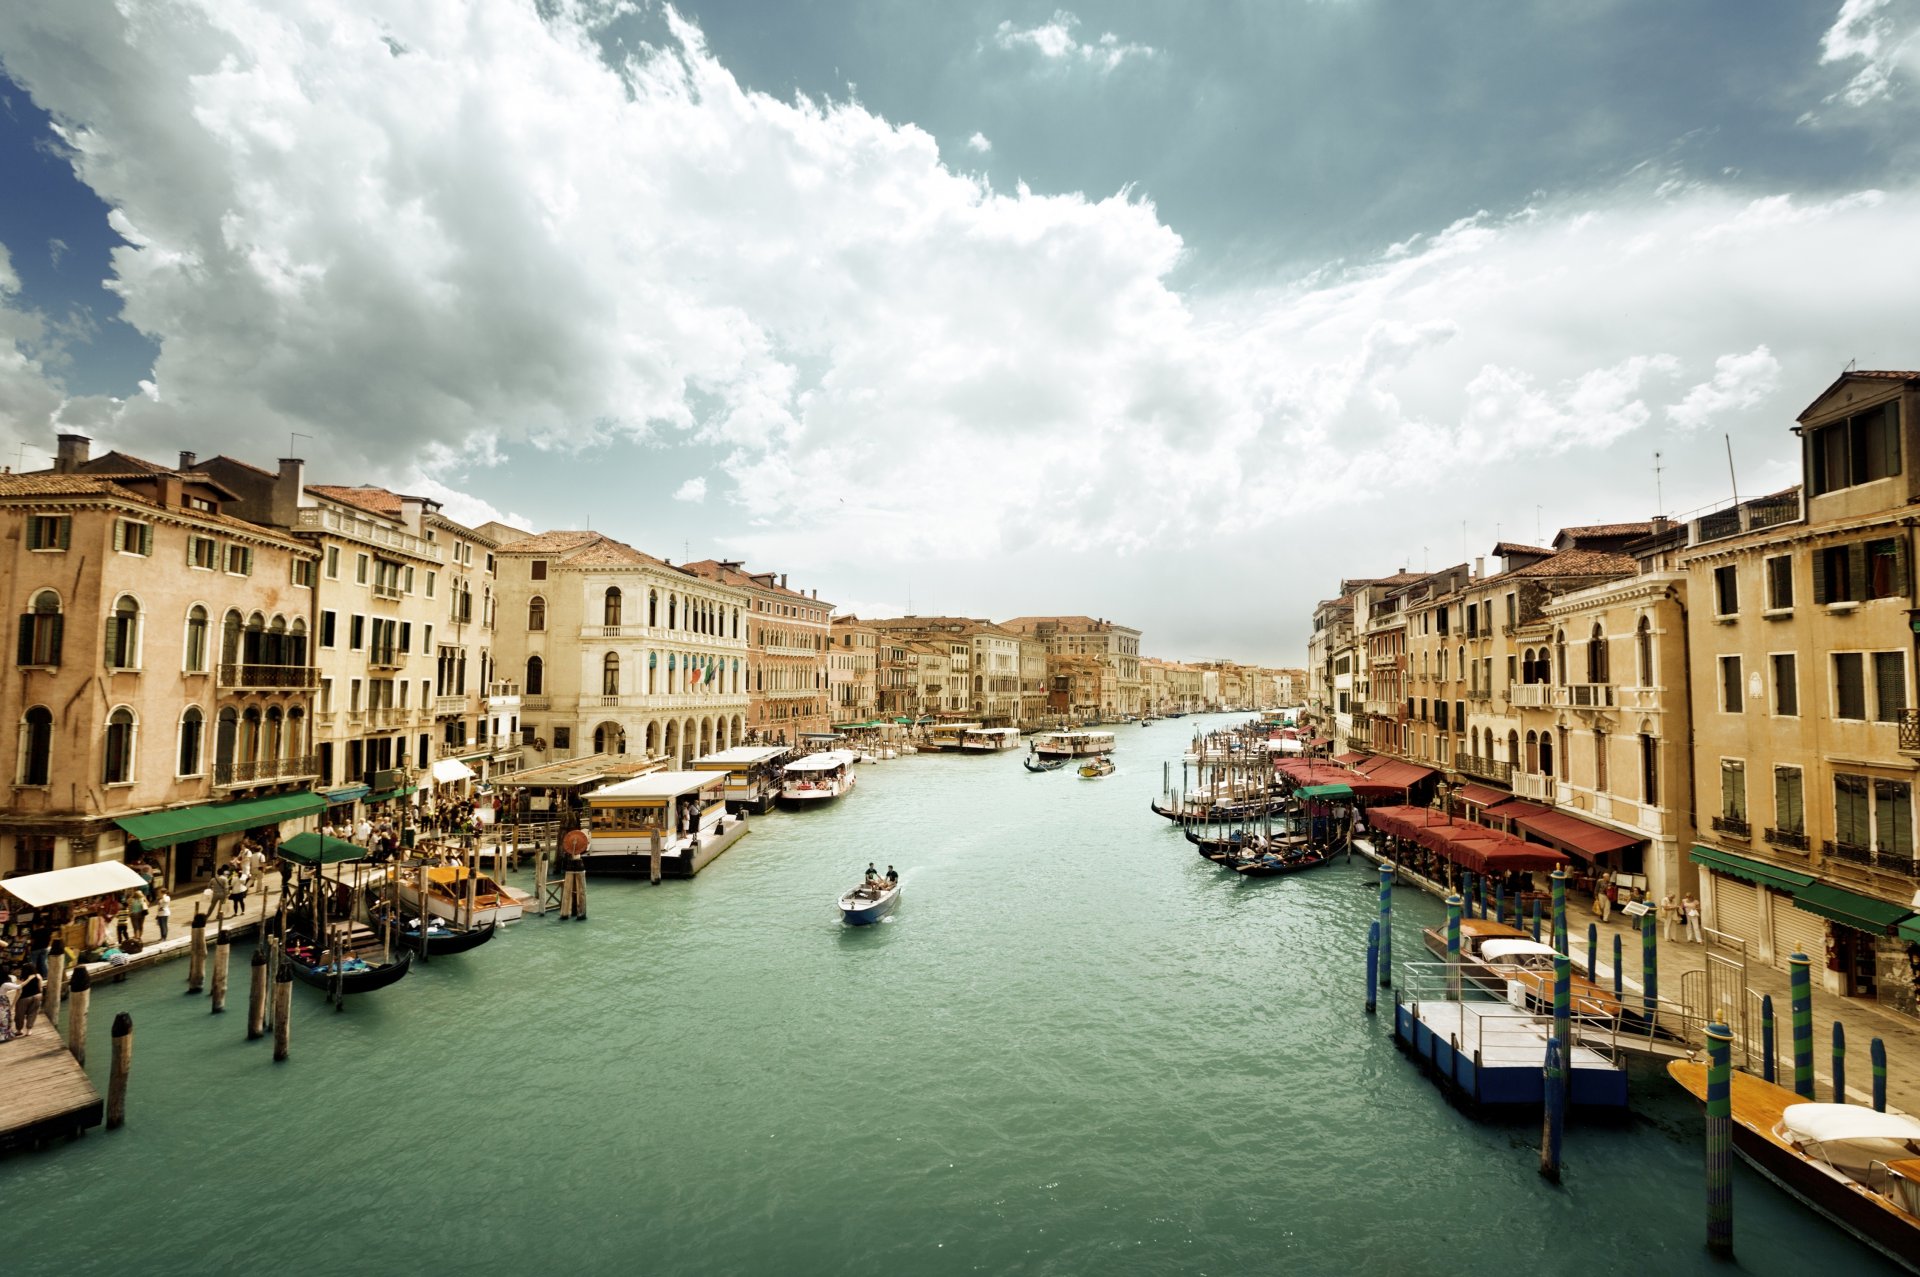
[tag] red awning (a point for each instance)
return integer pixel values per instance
(1576, 835)
(1482, 795)
(1402, 822)
(1390, 771)
(1349, 758)
(1312, 772)
(1443, 838)
(1517, 809)
(1502, 853)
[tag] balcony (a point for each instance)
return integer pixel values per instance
(1901, 864)
(1767, 512)
(1533, 785)
(1786, 838)
(268, 678)
(1485, 768)
(533, 702)
(386, 590)
(1732, 825)
(1584, 695)
(453, 705)
(388, 659)
(1530, 695)
(1910, 731)
(265, 771)
(366, 531)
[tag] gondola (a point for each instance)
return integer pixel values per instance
(312, 968)
(441, 940)
(1270, 865)
(1043, 764)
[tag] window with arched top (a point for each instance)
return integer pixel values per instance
(226, 734)
(1643, 652)
(249, 735)
(40, 631)
(230, 626)
(116, 766)
(1513, 748)
(297, 733)
(1560, 654)
(536, 613)
(612, 607)
(193, 726)
(123, 634)
(1533, 752)
(1599, 761)
(36, 746)
(673, 611)
(272, 740)
(610, 675)
(653, 608)
(296, 644)
(1597, 656)
(736, 622)
(536, 676)
(1546, 753)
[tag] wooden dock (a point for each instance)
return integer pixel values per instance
(44, 1092)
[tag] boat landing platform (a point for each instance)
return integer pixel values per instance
(45, 1094)
(1495, 1054)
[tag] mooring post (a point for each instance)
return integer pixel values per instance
(81, 995)
(1453, 946)
(1768, 1047)
(282, 1011)
(197, 953)
(222, 957)
(1553, 1113)
(1536, 920)
(257, 995)
(1500, 901)
(1593, 952)
(56, 973)
(1559, 880)
(1619, 969)
(1649, 969)
(1720, 1139)
(1563, 1014)
(1386, 924)
(117, 1074)
(1877, 1052)
(1839, 1063)
(1373, 964)
(1800, 981)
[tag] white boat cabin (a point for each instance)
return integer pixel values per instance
(819, 777)
(989, 740)
(1072, 744)
(949, 735)
(753, 772)
(623, 818)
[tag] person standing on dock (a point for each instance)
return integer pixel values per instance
(137, 914)
(1669, 913)
(573, 886)
(1690, 906)
(217, 893)
(163, 911)
(237, 897)
(32, 986)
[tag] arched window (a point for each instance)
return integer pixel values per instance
(1513, 748)
(117, 765)
(1526, 665)
(653, 608)
(1643, 652)
(297, 735)
(193, 726)
(736, 622)
(40, 631)
(271, 746)
(230, 626)
(36, 746)
(250, 736)
(673, 611)
(1560, 654)
(296, 644)
(536, 676)
(123, 635)
(612, 616)
(226, 732)
(1546, 753)
(1597, 656)
(1533, 752)
(610, 675)
(536, 613)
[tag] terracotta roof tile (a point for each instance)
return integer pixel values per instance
(1885, 374)
(550, 542)
(1608, 530)
(48, 484)
(1581, 563)
(1505, 548)
(365, 497)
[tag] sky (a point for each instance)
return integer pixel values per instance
(1174, 315)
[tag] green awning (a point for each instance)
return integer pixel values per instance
(1862, 913)
(1324, 791)
(385, 794)
(1909, 930)
(1748, 870)
(184, 824)
(318, 849)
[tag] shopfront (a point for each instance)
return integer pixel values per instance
(183, 844)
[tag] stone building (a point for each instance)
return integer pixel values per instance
(1116, 647)
(853, 667)
(984, 662)
(787, 636)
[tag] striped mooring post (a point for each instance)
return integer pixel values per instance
(1593, 951)
(1619, 969)
(1563, 1015)
(1553, 1113)
(1373, 964)
(1536, 920)
(1877, 1051)
(1839, 1063)
(1800, 979)
(1720, 1139)
(1649, 968)
(1559, 880)
(1768, 1047)
(1386, 925)
(1466, 892)
(1500, 902)
(1453, 946)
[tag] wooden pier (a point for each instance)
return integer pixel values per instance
(45, 1094)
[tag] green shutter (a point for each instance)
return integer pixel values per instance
(23, 652)
(1820, 577)
(1857, 571)
(57, 624)
(1900, 579)
(66, 531)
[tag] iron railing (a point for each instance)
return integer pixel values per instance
(1734, 825)
(239, 676)
(1797, 840)
(261, 770)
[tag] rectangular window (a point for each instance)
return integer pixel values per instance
(1733, 789)
(239, 560)
(1600, 762)
(1780, 583)
(327, 620)
(563, 738)
(1730, 698)
(49, 532)
(1893, 818)
(1849, 685)
(131, 537)
(202, 552)
(1889, 686)
(356, 633)
(326, 696)
(426, 638)
(1861, 449)
(1789, 801)
(360, 569)
(303, 573)
(1852, 818)
(1861, 571)
(539, 569)
(1649, 771)
(409, 585)
(353, 696)
(333, 563)
(406, 636)
(1786, 685)
(1726, 591)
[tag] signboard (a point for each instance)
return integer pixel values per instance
(1636, 909)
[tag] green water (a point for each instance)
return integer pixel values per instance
(1077, 1048)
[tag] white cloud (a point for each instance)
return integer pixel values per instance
(1054, 40)
(1739, 382)
(979, 143)
(1865, 31)
(694, 489)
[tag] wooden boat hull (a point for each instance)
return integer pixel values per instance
(1034, 766)
(1273, 866)
(354, 981)
(1756, 1107)
(444, 943)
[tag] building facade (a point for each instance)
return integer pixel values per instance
(788, 633)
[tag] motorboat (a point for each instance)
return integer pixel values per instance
(446, 900)
(1080, 744)
(989, 740)
(1858, 1167)
(1509, 963)
(869, 902)
(1097, 768)
(817, 779)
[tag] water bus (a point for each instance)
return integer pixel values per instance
(947, 736)
(664, 824)
(1077, 744)
(989, 740)
(753, 775)
(818, 779)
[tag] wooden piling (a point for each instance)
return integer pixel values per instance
(257, 995)
(1768, 1049)
(1536, 920)
(1800, 980)
(1649, 968)
(197, 954)
(1558, 878)
(56, 974)
(282, 1012)
(1619, 968)
(1553, 1113)
(1720, 1139)
(1386, 924)
(222, 960)
(1373, 964)
(1877, 1052)
(81, 994)
(117, 1075)
(1453, 946)
(1593, 952)
(654, 856)
(1839, 1063)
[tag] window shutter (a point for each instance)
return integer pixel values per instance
(1900, 578)
(24, 651)
(119, 534)
(146, 538)
(1820, 577)
(1857, 571)
(56, 622)
(66, 531)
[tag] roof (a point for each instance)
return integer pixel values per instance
(365, 497)
(1584, 839)
(566, 773)
(583, 548)
(79, 882)
(1857, 374)
(1606, 530)
(1481, 795)
(732, 573)
(825, 761)
(1391, 771)
(745, 754)
(1581, 563)
(1505, 548)
(659, 785)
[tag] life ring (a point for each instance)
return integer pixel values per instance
(575, 841)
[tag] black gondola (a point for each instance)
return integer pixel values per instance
(1044, 764)
(441, 941)
(1269, 865)
(312, 967)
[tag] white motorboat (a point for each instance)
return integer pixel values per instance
(447, 896)
(869, 902)
(818, 779)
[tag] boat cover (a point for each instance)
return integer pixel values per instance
(1826, 1123)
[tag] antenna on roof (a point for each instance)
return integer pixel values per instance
(1730, 475)
(1537, 533)
(1659, 499)
(291, 436)
(1851, 365)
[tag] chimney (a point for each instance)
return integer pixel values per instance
(783, 580)
(1479, 567)
(1661, 523)
(411, 510)
(187, 459)
(72, 453)
(289, 491)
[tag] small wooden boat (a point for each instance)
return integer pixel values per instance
(1270, 864)
(441, 939)
(1097, 768)
(1858, 1167)
(1043, 764)
(1509, 963)
(869, 902)
(362, 969)
(446, 900)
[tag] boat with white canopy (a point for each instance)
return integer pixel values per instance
(818, 779)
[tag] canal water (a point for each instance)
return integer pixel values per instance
(1077, 1048)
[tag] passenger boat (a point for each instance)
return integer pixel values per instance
(1270, 863)
(989, 740)
(1097, 768)
(1508, 962)
(1043, 764)
(1858, 1167)
(1078, 744)
(869, 902)
(817, 779)
(947, 736)
(753, 775)
(675, 822)
(447, 887)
